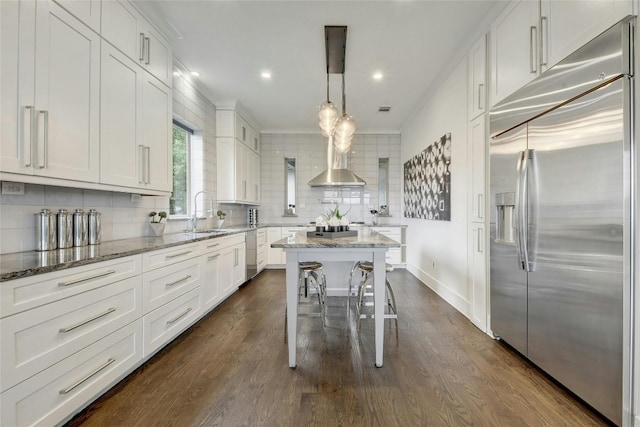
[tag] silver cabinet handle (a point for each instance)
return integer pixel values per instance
(147, 151)
(257, 192)
(27, 130)
(212, 257)
(179, 316)
(43, 140)
(187, 277)
(148, 41)
(85, 279)
(94, 372)
(533, 60)
(213, 246)
(544, 35)
(480, 87)
(84, 322)
(244, 134)
(177, 255)
(142, 47)
(480, 209)
(480, 249)
(141, 164)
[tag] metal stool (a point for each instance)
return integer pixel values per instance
(365, 289)
(310, 272)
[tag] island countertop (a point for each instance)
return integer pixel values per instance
(366, 238)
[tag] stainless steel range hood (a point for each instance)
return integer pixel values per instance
(336, 175)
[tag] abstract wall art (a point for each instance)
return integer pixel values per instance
(427, 182)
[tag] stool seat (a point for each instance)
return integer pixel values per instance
(367, 266)
(309, 266)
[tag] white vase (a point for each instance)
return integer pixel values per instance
(157, 228)
(220, 222)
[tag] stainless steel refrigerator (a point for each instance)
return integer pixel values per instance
(560, 173)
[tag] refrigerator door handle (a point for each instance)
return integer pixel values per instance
(523, 222)
(518, 209)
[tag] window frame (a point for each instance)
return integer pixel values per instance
(189, 157)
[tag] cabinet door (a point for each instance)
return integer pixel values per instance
(157, 55)
(240, 265)
(242, 129)
(17, 44)
(253, 173)
(211, 279)
(567, 25)
(241, 181)
(477, 149)
(477, 78)
(274, 255)
(226, 170)
(155, 128)
(120, 27)
(477, 262)
(121, 92)
(67, 81)
(88, 11)
(225, 277)
(514, 48)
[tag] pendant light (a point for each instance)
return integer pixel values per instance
(345, 126)
(328, 114)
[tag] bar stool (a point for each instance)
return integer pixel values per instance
(310, 277)
(365, 290)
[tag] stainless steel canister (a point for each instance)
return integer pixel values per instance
(65, 229)
(46, 230)
(80, 228)
(95, 227)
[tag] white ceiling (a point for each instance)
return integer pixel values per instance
(411, 42)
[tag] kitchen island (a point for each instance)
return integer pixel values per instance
(368, 245)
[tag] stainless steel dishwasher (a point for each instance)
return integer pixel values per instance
(252, 254)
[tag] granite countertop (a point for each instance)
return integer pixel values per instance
(366, 238)
(24, 264)
(31, 263)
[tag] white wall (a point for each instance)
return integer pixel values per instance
(442, 242)
(310, 152)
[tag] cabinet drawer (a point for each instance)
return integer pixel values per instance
(261, 236)
(164, 323)
(394, 256)
(56, 393)
(392, 233)
(225, 241)
(164, 284)
(30, 292)
(36, 339)
(168, 256)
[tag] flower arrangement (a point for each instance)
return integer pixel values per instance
(221, 215)
(334, 219)
(153, 214)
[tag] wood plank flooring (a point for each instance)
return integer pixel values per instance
(439, 370)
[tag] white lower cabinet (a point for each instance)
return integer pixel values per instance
(274, 255)
(164, 284)
(56, 393)
(261, 250)
(35, 339)
(394, 256)
(166, 322)
(212, 267)
(477, 265)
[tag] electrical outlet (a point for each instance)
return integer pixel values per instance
(12, 188)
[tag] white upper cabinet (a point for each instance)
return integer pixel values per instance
(125, 28)
(88, 11)
(530, 37)
(477, 78)
(514, 48)
(477, 149)
(50, 110)
(567, 25)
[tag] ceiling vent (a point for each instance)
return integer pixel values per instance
(384, 109)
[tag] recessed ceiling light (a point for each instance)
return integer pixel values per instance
(377, 75)
(266, 75)
(195, 74)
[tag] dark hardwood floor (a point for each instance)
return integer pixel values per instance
(439, 370)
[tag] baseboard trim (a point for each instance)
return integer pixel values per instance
(443, 291)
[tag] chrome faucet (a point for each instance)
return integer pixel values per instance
(195, 207)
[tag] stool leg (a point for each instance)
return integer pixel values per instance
(353, 269)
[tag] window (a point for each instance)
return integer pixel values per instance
(179, 201)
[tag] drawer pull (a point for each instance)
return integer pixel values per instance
(213, 246)
(84, 322)
(70, 388)
(187, 277)
(179, 316)
(84, 279)
(212, 257)
(177, 255)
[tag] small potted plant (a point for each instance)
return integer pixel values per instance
(157, 227)
(220, 214)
